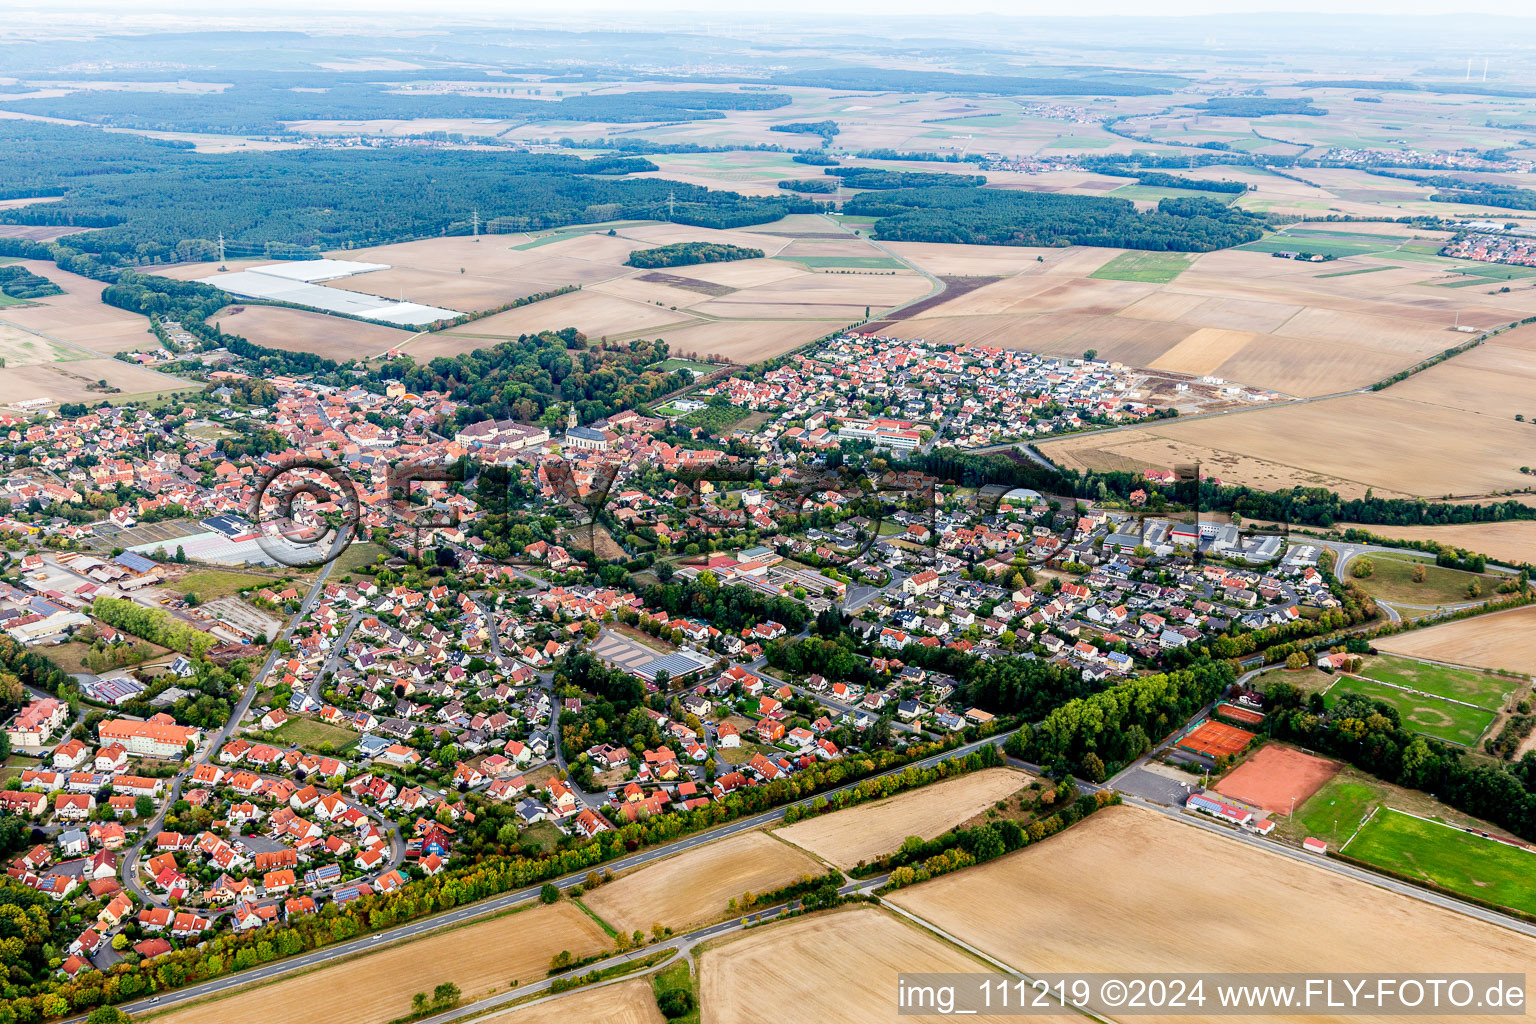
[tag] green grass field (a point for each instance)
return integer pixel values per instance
(1360, 245)
(312, 735)
(211, 584)
(1149, 267)
(1392, 581)
(1456, 683)
(357, 556)
(668, 365)
(1334, 812)
(1450, 858)
(1454, 723)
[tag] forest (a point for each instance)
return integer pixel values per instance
(996, 217)
(815, 159)
(880, 178)
(21, 283)
(1256, 106)
(155, 204)
(261, 108)
(819, 186)
(686, 254)
(1161, 179)
(826, 129)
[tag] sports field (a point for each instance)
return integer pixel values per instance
(1486, 691)
(1449, 857)
(1216, 739)
(1441, 719)
(1277, 778)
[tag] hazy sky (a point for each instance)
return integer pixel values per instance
(636, 9)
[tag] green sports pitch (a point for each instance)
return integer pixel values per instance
(1480, 688)
(1432, 716)
(1449, 857)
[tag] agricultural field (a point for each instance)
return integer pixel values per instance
(299, 330)
(1391, 580)
(1449, 857)
(627, 1002)
(1449, 430)
(1513, 541)
(1485, 691)
(78, 318)
(843, 964)
(376, 988)
(1032, 910)
(23, 348)
(1306, 335)
(693, 888)
(862, 833)
(1441, 719)
(1151, 267)
(91, 380)
(1503, 641)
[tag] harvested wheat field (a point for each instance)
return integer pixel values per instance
(1203, 351)
(373, 988)
(1397, 445)
(298, 330)
(743, 341)
(590, 312)
(79, 316)
(1511, 541)
(1502, 641)
(627, 1002)
(839, 966)
(79, 380)
(870, 830)
(694, 887)
(955, 260)
(1130, 890)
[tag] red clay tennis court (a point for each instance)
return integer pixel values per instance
(1239, 714)
(1275, 776)
(1214, 739)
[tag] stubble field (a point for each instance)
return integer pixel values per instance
(840, 966)
(1128, 890)
(694, 887)
(868, 831)
(628, 1002)
(1503, 640)
(377, 987)
(298, 330)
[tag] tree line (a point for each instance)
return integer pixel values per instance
(684, 254)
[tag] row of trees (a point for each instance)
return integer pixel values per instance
(153, 624)
(684, 254)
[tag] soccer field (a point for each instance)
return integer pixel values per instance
(1455, 723)
(1486, 691)
(1449, 857)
